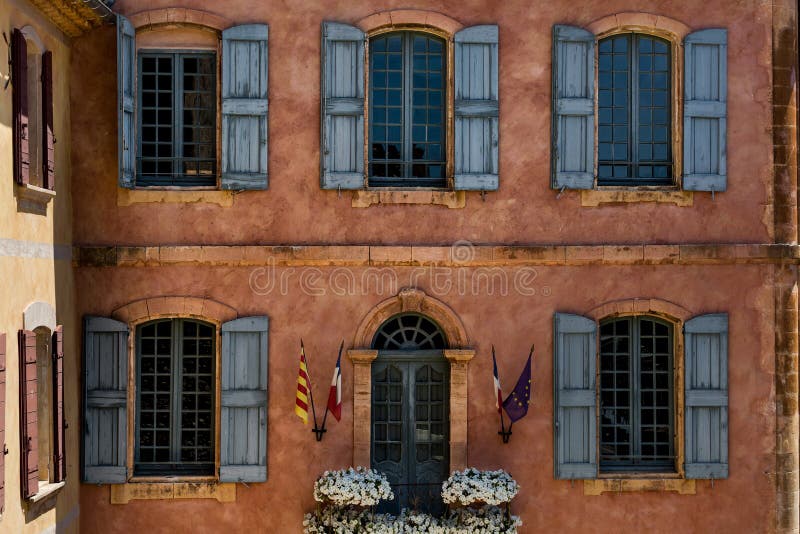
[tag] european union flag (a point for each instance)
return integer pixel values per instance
(516, 404)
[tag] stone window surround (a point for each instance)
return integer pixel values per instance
(674, 31)
(362, 356)
(640, 482)
(167, 487)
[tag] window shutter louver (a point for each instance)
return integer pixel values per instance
(19, 78)
(705, 110)
(575, 340)
(105, 369)
(573, 108)
(342, 101)
(126, 102)
(477, 108)
(3, 444)
(706, 396)
(28, 420)
(48, 134)
(245, 108)
(243, 433)
(59, 423)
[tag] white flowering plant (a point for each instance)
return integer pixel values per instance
(357, 486)
(341, 520)
(474, 486)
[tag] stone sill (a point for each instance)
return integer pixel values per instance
(46, 491)
(370, 197)
(595, 197)
(650, 483)
(34, 199)
(127, 197)
(124, 493)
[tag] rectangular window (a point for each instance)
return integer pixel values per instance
(177, 119)
(636, 395)
(175, 398)
(633, 114)
(407, 110)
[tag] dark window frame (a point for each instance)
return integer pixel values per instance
(407, 120)
(176, 178)
(175, 466)
(633, 160)
(636, 462)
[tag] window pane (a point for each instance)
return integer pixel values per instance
(178, 107)
(615, 401)
(634, 116)
(407, 108)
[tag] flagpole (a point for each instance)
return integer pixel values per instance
(316, 429)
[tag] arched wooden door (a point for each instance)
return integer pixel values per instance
(410, 415)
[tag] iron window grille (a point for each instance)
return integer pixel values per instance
(636, 395)
(175, 398)
(634, 111)
(177, 119)
(407, 110)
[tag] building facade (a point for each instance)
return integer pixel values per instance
(425, 184)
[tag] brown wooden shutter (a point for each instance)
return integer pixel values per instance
(3, 448)
(29, 423)
(19, 78)
(59, 423)
(49, 141)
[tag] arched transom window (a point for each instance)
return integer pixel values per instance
(409, 331)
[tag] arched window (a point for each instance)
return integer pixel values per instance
(409, 331)
(410, 410)
(637, 394)
(175, 397)
(407, 110)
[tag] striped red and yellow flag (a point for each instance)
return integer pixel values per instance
(301, 401)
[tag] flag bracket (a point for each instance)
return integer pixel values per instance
(319, 432)
(505, 434)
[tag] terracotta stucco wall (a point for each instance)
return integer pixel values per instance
(524, 210)
(511, 322)
(35, 266)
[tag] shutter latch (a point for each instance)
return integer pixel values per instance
(5, 450)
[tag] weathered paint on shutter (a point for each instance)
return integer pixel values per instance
(245, 108)
(342, 115)
(59, 423)
(28, 420)
(126, 101)
(477, 109)
(706, 396)
(48, 134)
(573, 108)
(105, 369)
(3, 445)
(575, 341)
(243, 434)
(705, 110)
(20, 130)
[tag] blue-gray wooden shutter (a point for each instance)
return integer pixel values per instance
(477, 109)
(573, 108)
(342, 101)
(105, 371)
(126, 102)
(575, 432)
(245, 107)
(705, 110)
(243, 436)
(706, 396)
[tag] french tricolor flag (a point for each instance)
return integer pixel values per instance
(335, 395)
(498, 392)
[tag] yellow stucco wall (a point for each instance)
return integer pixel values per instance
(35, 266)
